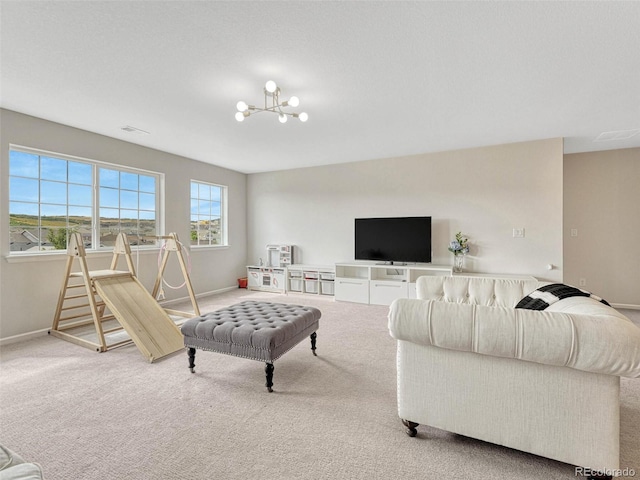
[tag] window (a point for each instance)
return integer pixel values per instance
(208, 214)
(53, 195)
(127, 204)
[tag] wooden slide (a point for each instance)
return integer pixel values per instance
(146, 322)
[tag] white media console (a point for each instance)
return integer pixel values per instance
(356, 282)
(381, 284)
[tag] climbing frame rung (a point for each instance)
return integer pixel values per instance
(73, 317)
(78, 340)
(73, 297)
(116, 329)
(74, 307)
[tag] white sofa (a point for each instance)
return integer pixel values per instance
(541, 381)
(13, 467)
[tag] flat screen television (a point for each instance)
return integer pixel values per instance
(393, 239)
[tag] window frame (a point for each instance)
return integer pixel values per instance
(224, 214)
(95, 165)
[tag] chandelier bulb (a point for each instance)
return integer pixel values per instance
(303, 117)
(270, 86)
(293, 102)
(283, 118)
(240, 116)
(241, 106)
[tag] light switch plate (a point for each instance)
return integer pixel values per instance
(518, 233)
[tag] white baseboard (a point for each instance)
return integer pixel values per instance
(199, 295)
(28, 336)
(23, 337)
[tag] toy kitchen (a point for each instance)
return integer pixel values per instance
(271, 275)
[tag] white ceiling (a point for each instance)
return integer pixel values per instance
(378, 79)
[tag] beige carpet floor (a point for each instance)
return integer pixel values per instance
(85, 415)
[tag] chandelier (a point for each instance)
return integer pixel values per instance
(271, 91)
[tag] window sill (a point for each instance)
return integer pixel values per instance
(62, 254)
(200, 248)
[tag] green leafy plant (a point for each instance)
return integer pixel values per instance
(58, 237)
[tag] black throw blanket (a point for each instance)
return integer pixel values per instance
(549, 294)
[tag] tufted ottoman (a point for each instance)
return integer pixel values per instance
(260, 331)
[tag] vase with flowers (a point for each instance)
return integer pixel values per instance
(459, 247)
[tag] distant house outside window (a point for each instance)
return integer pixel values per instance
(52, 195)
(208, 214)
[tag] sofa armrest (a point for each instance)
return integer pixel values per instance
(22, 471)
(13, 467)
(606, 344)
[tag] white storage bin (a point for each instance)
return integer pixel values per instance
(295, 273)
(327, 276)
(311, 275)
(311, 286)
(295, 285)
(327, 287)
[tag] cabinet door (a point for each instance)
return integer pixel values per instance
(384, 292)
(278, 279)
(254, 278)
(352, 290)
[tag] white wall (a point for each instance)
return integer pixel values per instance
(29, 290)
(483, 192)
(602, 202)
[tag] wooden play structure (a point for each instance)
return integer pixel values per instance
(118, 306)
(172, 244)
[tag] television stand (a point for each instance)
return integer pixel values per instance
(381, 284)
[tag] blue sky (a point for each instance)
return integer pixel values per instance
(205, 201)
(56, 183)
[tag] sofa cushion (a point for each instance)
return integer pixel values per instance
(491, 292)
(549, 294)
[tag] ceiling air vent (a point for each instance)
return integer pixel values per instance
(618, 135)
(137, 131)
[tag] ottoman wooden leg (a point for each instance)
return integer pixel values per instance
(269, 371)
(313, 343)
(192, 359)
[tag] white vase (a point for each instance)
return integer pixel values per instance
(458, 263)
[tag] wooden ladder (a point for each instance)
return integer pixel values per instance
(80, 305)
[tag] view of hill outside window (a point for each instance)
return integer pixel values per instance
(207, 218)
(127, 204)
(50, 197)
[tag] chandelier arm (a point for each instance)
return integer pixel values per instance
(270, 109)
(275, 109)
